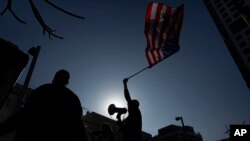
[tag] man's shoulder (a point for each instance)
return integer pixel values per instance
(45, 85)
(55, 88)
(69, 91)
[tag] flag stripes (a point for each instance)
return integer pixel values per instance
(162, 25)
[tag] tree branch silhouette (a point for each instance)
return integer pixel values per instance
(64, 11)
(39, 18)
(9, 7)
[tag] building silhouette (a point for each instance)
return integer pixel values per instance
(10, 105)
(232, 19)
(12, 62)
(177, 133)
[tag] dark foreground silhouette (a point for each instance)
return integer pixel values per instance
(132, 125)
(105, 133)
(52, 112)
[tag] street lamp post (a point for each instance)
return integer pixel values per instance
(180, 118)
(34, 51)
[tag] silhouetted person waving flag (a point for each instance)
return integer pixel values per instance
(132, 125)
(52, 112)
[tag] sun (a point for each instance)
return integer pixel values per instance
(117, 101)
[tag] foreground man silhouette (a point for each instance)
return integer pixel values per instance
(52, 112)
(132, 125)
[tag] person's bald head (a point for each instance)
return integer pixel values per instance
(61, 77)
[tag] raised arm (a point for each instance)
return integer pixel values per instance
(126, 92)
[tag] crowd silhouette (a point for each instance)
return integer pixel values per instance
(54, 112)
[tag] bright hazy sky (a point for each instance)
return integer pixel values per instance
(201, 82)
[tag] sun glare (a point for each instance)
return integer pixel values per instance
(113, 98)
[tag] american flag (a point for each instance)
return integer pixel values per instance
(162, 30)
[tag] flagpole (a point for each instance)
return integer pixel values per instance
(139, 71)
(148, 67)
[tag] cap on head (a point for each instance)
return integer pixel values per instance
(61, 77)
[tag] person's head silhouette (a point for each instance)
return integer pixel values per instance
(133, 105)
(61, 77)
